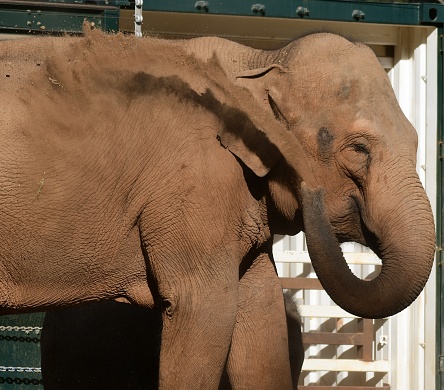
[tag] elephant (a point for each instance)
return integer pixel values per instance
(161, 179)
(295, 344)
(114, 345)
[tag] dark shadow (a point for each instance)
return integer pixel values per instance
(106, 345)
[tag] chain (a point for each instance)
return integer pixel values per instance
(33, 370)
(21, 381)
(26, 329)
(20, 369)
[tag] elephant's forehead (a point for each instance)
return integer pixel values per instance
(330, 47)
(334, 63)
(341, 85)
(347, 93)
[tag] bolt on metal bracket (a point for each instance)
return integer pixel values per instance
(302, 12)
(358, 15)
(202, 5)
(258, 9)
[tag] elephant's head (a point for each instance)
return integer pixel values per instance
(341, 162)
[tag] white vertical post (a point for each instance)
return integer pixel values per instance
(138, 18)
(430, 315)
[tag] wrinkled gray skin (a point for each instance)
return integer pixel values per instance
(161, 179)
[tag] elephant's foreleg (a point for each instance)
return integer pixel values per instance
(199, 312)
(258, 357)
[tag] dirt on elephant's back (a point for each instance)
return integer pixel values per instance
(46, 73)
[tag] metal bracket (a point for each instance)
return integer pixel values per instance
(431, 14)
(358, 15)
(258, 9)
(202, 6)
(441, 363)
(302, 12)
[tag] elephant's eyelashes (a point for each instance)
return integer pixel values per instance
(361, 149)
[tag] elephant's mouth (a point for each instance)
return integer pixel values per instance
(355, 229)
(359, 231)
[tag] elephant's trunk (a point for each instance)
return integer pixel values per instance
(406, 260)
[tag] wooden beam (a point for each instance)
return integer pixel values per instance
(333, 338)
(345, 365)
(301, 283)
(365, 352)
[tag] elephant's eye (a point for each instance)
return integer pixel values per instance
(356, 159)
(358, 148)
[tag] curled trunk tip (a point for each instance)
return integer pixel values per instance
(395, 288)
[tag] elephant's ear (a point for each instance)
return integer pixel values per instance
(258, 72)
(251, 145)
(275, 87)
(249, 135)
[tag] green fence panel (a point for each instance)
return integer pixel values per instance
(343, 11)
(53, 17)
(20, 351)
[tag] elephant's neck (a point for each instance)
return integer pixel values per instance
(256, 230)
